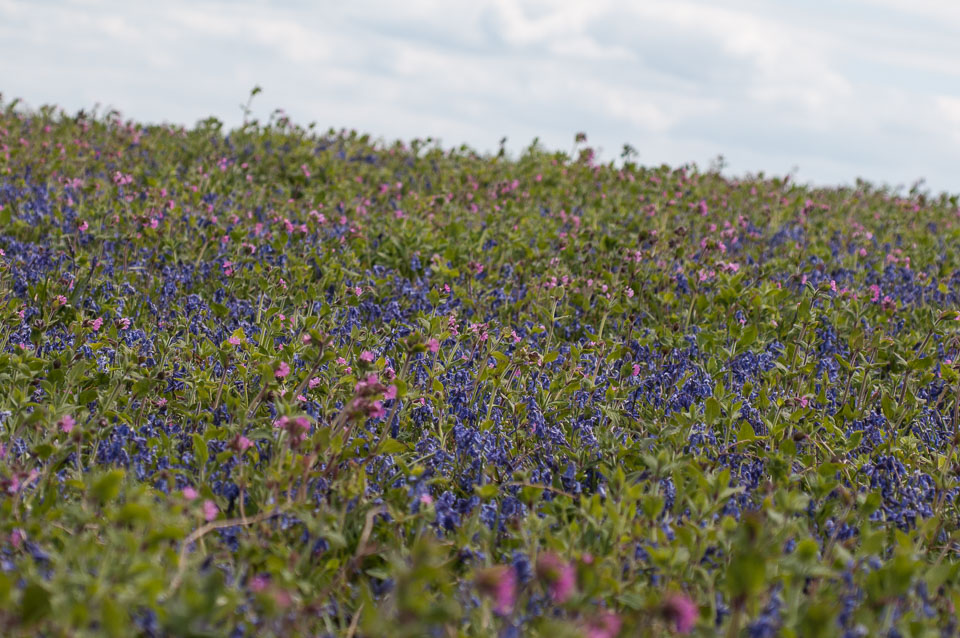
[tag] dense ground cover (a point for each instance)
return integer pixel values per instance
(274, 381)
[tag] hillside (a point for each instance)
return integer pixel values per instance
(278, 381)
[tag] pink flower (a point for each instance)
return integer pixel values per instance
(96, 324)
(314, 382)
(636, 370)
(233, 341)
(606, 625)
(559, 576)
(124, 323)
(189, 493)
(17, 536)
(83, 226)
(66, 423)
(681, 611)
(500, 583)
(391, 393)
(210, 510)
(365, 386)
(242, 443)
(426, 499)
(297, 428)
(282, 370)
(258, 583)
(433, 346)
(366, 356)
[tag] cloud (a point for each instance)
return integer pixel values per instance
(949, 107)
(291, 39)
(839, 90)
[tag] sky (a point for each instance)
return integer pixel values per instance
(825, 90)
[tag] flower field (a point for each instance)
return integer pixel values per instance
(277, 381)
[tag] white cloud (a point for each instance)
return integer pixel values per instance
(294, 41)
(949, 107)
(117, 27)
(840, 90)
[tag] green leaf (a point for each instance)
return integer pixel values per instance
(853, 439)
(107, 487)
(747, 337)
(711, 410)
(392, 446)
(87, 396)
(949, 374)
(886, 405)
(200, 450)
(115, 618)
(43, 451)
(34, 604)
(135, 512)
(937, 575)
(652, 506)
(487, 491)
(807, 550)
(6, 585)
(746, 574)
(633, 600)
(531, 494)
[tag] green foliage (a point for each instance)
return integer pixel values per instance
(279, 382)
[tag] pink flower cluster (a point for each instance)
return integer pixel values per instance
(297, 428)
(500, 584)
(681, 612)
(366, 401)
(559, 576)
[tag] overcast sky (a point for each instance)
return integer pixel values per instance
(829, 90)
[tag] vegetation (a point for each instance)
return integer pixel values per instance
(273, 381)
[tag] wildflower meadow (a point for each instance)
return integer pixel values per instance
(282, 381)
